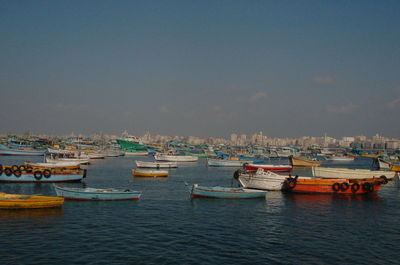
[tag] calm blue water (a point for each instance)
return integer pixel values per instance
(167, 227)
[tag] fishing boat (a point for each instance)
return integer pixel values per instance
(347, 173)
(304, 162)
(64, 159)
(226, 162)
(19, 174)
(337, 158)
(267, 167)
(395, 167)
(260, 180)
(175, 158)
(149, 173)
(93, 194)
(20, 201)
(7, 151)
(225, 193)
(143, 164)
(334, 186)
(381, 164)
(61, 164)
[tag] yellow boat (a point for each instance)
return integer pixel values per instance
(395, 167)
(304, 162)
(149, 173)
(20, 201)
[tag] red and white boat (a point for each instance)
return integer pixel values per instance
(267, 167)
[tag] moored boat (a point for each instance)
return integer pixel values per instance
(225, 193)
(175, 158)
(334, 186)
(64, 159)
(337, 158)
(149, 173)
(304, 162)
(93, 194)
(20, 201)
(144, 164)
(136, 153)
(260, 180)
(267, 167)
(7, 151)
(226, 162)
(25, 174)
(347, 173)
(395, 167)
(61, 164)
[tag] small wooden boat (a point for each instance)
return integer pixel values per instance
(260, 180)
(19, 201)
(70, 165)
(334, 186)
(144, 164)
(337, 158)
(92, 194)
(225, 193)
(303, 162)
(267, 167)
(149, 173)
(175, 158)
(347, 173)
(7, 151)
(30, 174)
(395, 167)
(63, 159)
(226, 162)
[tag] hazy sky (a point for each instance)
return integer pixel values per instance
(202, 68)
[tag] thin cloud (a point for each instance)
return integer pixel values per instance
(342, 109)
(216, 108)
(323, 80)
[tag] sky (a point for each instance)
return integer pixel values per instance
(200, 68)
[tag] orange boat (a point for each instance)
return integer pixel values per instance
(334, 186)
(395, 167)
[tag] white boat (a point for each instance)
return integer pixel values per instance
(261, 180)
(340, 158)
(334, 172)
(226, 162)
(144, 164)
(62, 164)
(92, 194)
(80, 161)
(175, 158)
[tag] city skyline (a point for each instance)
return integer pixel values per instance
(205, 68)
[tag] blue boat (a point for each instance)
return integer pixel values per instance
(7, 151)
(225, 193)
(92, 194)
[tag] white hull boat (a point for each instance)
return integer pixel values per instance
(346, 173)
(143, 164)
(80, 161)
(261, 180)
(92, 194)
(175, 158)
(60, 164)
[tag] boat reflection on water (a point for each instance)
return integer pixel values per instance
(12, 214)
(323, 200)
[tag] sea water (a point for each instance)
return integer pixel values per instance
(166, 226)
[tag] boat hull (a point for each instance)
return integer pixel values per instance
(332, 186)
(90, 194)
(301, 162)
(346, 173)
(225, 193)
(150, 173)
(17, 201)
(173, 158)
(266, 167)
(41, 176)
(226, 163)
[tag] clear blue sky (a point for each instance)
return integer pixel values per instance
(203, 68)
